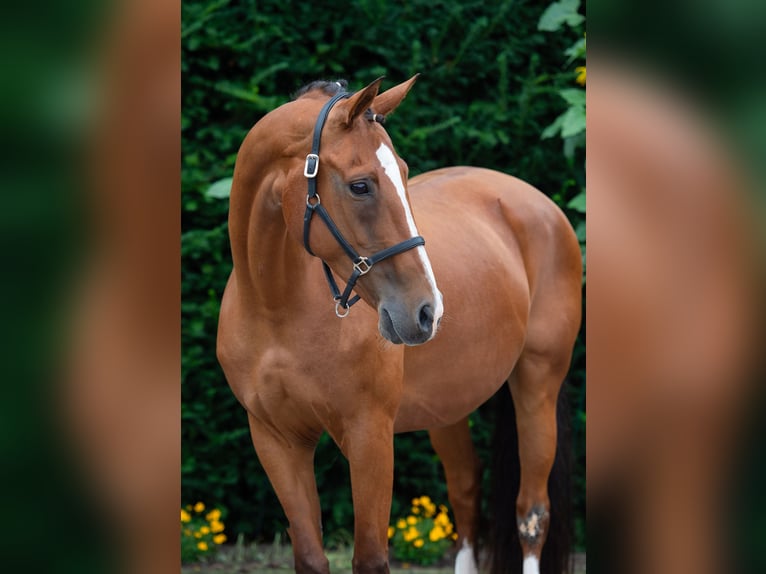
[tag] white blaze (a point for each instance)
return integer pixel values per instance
(465, 563)
(531, 566)
(391, 168)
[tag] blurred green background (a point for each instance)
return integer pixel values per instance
(498, 89)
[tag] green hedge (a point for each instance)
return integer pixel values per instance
(491, 83)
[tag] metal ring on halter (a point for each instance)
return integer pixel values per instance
(338, 306)
(309, 198)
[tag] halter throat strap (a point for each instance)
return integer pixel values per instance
(362, 265)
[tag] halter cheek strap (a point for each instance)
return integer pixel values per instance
(362, 265)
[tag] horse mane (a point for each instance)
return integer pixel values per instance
(330, 88)
(326, 87)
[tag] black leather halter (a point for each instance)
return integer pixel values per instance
(362, 265)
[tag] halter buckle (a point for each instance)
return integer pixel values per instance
(338, 307)
(362, 265)
(312, 166)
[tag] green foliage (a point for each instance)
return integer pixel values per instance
(490, 85)
(570, 125)
(572, 121)
(221, 189)
(578, 204)
(560, 13)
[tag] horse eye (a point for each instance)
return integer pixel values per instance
(359, 188)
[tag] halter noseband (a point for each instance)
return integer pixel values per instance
(362, 265)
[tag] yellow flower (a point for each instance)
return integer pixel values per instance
(204, 530)
(401, 524)
(581, 73)
(415, 510)
(185, 516)
(216, 526)
(213, 515)
(197, 535)
(202, 546)
(425, 501)
(454, 536)
(437, 533)
(412, 520)
(199, 507)
(391, 531)
(418, 543)
(219, 538)
(411, 534)
(441, 519)
(415, 501)
(430, 509)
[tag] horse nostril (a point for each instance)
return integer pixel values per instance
(426, 318)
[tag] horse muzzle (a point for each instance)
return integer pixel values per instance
(403, 325)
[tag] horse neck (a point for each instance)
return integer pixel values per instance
(269, 263)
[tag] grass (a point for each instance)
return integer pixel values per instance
(276, 558)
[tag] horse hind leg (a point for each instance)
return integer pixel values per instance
(535, 385)
(290, 468)
(455, 448)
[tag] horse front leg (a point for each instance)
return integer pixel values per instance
(368, 444)
(289, 465)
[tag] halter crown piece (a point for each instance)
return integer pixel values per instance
(362, 265)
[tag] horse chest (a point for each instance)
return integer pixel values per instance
(324, 364)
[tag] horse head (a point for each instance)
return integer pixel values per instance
(367, 230)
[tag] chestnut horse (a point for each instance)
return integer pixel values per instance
(492, 298)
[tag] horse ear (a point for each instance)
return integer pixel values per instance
(387, 102)
(359, 102)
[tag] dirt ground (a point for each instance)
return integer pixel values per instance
(272, 559)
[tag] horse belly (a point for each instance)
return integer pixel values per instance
(439, 391)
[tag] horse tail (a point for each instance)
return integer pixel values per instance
(504, 552)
